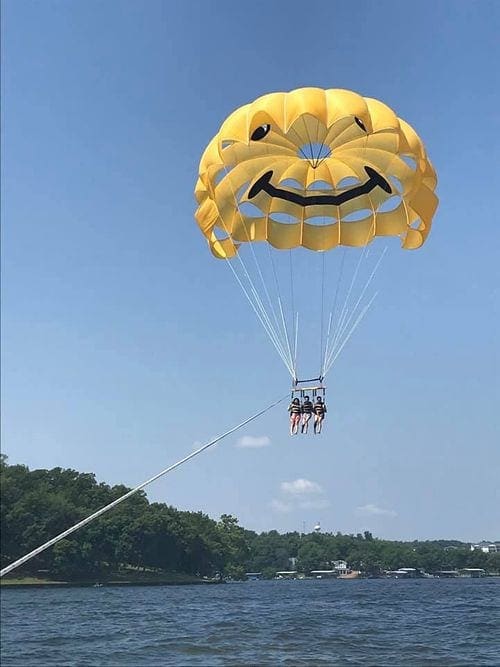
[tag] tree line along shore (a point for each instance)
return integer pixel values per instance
(144, 542)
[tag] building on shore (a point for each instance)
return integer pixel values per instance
(341, 567)
(486, 547)
(402, 573)
(472, 572)
(324, 574)
(408, 573)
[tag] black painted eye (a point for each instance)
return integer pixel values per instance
(360, 123)
(260, 132)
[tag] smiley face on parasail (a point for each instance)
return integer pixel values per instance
(314, 168)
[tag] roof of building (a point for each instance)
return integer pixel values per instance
(472, 569)
(323, 571)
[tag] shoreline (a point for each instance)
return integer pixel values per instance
(20, 583)
(29, 582)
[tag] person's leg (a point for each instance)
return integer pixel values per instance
(320, 423)
(305, 423)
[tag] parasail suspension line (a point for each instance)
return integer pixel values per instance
(354, 309)
(296, 343)
(322, 312)
(333, 310)
(345, 309)
(282, 346)
(283, 319)
(352, 330)
(270, 333)
(257, 304)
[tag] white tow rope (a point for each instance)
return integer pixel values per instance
(119, 500)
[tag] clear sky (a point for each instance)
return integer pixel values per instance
(124, 342)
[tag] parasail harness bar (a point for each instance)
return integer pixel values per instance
(314, 389)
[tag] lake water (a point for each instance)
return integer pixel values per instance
(368, 622)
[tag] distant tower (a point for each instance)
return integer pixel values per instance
(317, 527)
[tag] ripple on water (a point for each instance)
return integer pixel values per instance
(382, 622)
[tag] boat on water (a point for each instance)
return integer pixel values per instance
(353, 574)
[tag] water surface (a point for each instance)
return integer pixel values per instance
(361, 622)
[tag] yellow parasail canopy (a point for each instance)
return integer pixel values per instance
(314, 168)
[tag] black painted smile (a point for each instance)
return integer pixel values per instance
(374, 179)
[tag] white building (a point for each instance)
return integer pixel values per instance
(287, 574)
(486, 547)
(324, 574)
(472, 572)
(340, 566)
(402, 573)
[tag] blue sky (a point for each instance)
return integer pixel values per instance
(124, 342)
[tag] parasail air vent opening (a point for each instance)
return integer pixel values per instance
(314, 152)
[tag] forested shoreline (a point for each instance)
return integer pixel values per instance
(142, 536)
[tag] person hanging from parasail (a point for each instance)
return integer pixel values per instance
(307, 411)
(319, 414)
(295, 411)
